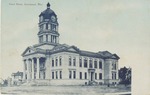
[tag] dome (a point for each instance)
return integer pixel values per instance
(47, 13)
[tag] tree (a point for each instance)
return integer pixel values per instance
(125, 75)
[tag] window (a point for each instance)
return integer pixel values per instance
(80, 62)
(41, 38)
(113, 66)
(60, 61)
(46, 38)
(85, 63)
(70, 74)
(100, 64)
(95, 64)
(74, 74)
(74, 61)
(100, 75)
(26, 76)
(80, 75)
(46, 25)
(90, 63)
(52, 62)
(53, 27)
(60, 74)
(52, 75)
(85, 75)
(56, 61)
(56, 75)
(113, 75)
(69, 61)
(95, 75)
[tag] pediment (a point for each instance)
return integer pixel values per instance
(29, 50)
(71, 49)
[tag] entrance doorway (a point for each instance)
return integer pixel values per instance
(92, 73)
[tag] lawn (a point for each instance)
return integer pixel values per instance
(65, 90)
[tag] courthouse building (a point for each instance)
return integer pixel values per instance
(52, 63)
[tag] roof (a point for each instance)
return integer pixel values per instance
(17, 74)
(47, 13)
(66, 48)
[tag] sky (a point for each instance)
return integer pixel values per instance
(118, 26)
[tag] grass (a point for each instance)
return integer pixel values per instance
(64, 90)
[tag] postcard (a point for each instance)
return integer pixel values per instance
(82, 47)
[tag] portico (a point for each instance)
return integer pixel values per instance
(34, 68)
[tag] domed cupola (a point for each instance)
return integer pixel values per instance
(46, 14)
(48, 27)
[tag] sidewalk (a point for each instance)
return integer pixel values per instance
(119, 93)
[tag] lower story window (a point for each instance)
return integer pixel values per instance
(52, 75)
(85, 75)
(74, 74)
(95, 75)
(60, 74)
(80, 75)
(70, 74)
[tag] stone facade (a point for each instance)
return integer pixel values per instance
(52, 63)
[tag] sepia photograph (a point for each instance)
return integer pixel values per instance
(75, 47)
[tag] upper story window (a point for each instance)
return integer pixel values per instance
(52, 62)
(100, 64)
(95, 64)
(114, 66)
(85, 62)
(90, 63)
(60, 61)
(80, 62)
(69, 60)
(56, 61)
(74, 61)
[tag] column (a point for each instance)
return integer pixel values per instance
(38, 68)
(32, 68)
(24, 70)
(28, 69)
(51, 38)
